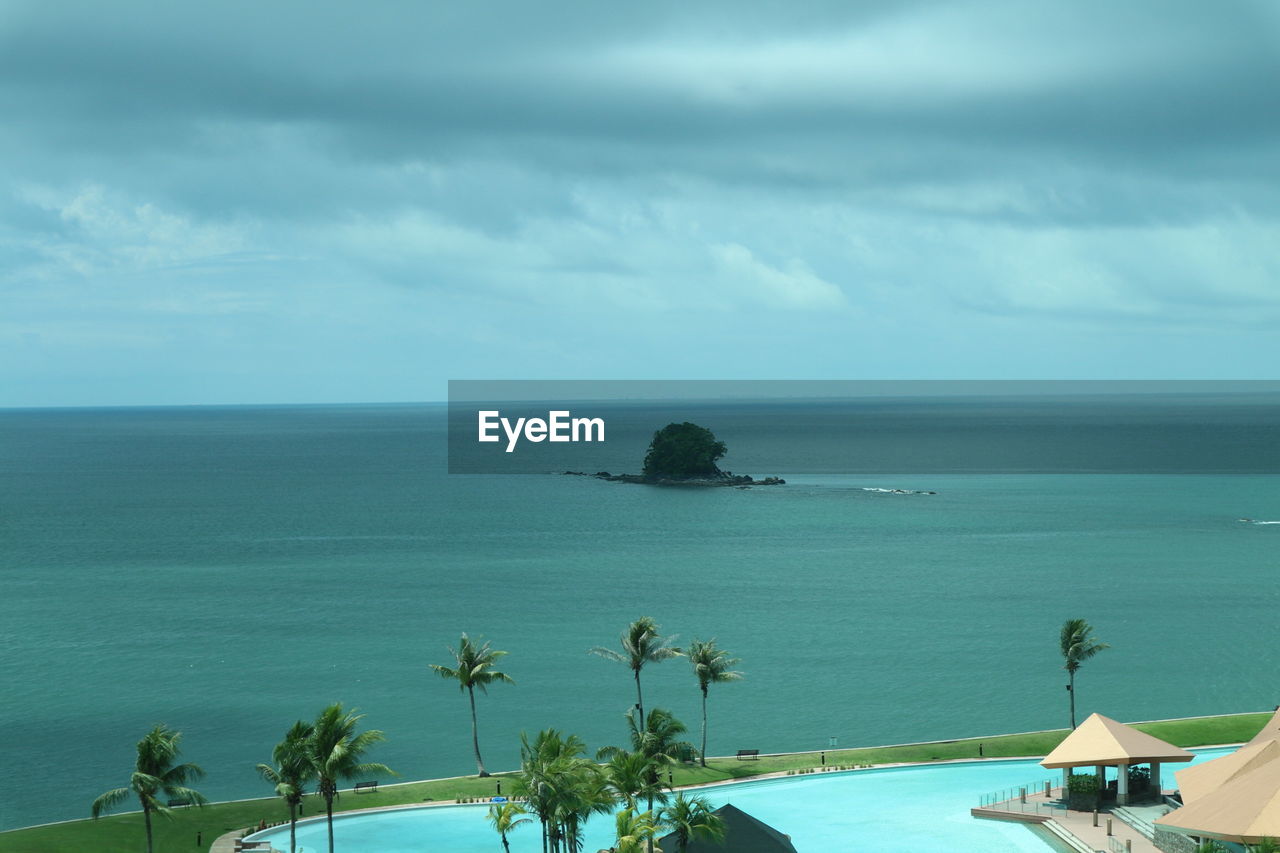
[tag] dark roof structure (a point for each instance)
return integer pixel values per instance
(743, 834)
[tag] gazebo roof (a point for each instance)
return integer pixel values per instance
(743, 834)
(1203, 779)
(1271, 731)
(1245, 808)
(1101, 740)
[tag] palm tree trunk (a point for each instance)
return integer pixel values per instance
(639, 700)
(505, 845)
(1071, 688)
(328, 810)
(649, 841)
(293, 828)
(146, 815)
(704, 725)
(475, 735)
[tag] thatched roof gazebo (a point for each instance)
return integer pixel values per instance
(1103, 742)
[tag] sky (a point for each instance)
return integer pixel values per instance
(292, 202)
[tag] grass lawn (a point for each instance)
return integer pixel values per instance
(124, 833)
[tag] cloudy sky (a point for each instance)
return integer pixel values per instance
(306, 202)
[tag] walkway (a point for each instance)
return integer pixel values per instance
(1049, 812)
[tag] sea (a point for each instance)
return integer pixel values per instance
(229, 570)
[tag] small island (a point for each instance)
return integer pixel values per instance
(685, 454)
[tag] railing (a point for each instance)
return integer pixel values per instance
(1033, 797)
(1115, 845)
(1136, 821)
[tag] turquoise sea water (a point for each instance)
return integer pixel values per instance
(900, 810)
(227, 571)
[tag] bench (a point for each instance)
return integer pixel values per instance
(744, 754)
(366, 786)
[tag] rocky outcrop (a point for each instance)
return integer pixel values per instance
(742, 481)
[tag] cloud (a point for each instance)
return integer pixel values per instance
(449, 183)
(793, 287)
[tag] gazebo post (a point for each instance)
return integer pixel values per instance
(1155, 779)
(1122, 785)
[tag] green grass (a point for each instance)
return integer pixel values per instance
(124, 833)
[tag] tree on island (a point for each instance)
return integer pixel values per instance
(154, 774)
(1077, 644)
(475, 669)
(683, 450)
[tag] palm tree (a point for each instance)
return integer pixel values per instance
(632, 775)
(290, 771)
(154, 773)
(690, 818)
(634, 830)
(505, 817)
(1078, 645)
(712, 666)
(659, 743)
(641, 644)
(562, 788)
(335, 752)
(474, 669)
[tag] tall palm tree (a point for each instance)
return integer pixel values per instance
(712, 665)
(154, 773)
(335, 752)
(635, 830)
(641, 644)
(290, 771)
(690, 818)
(1077, 644)
(505, 817)
(474, 669)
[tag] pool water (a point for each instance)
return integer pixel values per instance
(908, 809)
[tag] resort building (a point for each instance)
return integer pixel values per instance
(1234, 800)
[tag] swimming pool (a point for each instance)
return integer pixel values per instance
(907, 809)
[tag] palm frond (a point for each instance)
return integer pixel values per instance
(1077, 643)
(108, 801)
